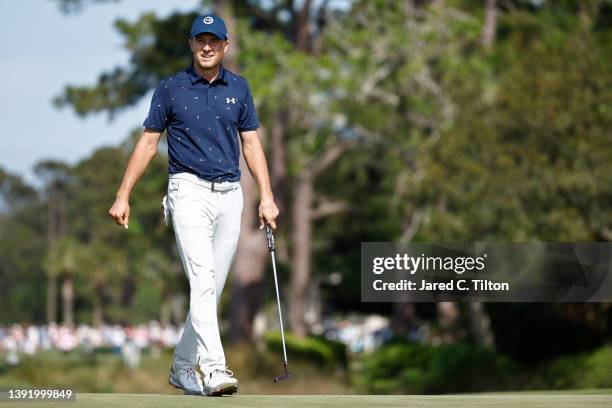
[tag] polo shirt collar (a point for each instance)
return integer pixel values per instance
(195, 77)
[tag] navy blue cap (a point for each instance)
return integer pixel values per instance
(209, 24)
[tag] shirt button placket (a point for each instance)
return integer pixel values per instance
(211, 97)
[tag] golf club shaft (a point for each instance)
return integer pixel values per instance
(280, 314)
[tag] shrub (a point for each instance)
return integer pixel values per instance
(316, 349)
(412, 368)
(584, 370)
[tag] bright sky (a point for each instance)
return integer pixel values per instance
(42, 51)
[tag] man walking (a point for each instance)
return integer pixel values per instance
(203, 109)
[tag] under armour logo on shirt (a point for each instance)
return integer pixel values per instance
(232, 100)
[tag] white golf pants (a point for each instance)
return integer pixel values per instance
(206, 220)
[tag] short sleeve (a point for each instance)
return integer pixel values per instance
(248, 116)
(159, 112)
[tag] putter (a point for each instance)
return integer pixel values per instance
(271, 248)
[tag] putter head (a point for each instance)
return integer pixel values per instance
(283, 377)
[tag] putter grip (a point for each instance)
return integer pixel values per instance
(270, 237)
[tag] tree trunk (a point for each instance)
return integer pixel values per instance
(314, 306)
(278, 158)
(68, 300)
(302, 250)
(448, 321)
(224, 9)
(402, 317)
(404, 311)
(98, 307)
(250, 262)
(248, 270)
(52, 237)
(480, 325)
(278, 174)
(249, 265)
(51, 298)
(178, 303)
(98, 313)
(301, 239)
(252, 255)
(490, 27)
(165, 312)
(302, 27)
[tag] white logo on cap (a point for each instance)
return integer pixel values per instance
(208, 20)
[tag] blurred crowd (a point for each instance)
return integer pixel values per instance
(30, 339)
(360, 333)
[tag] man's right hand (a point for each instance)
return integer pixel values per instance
(120, 211)
(141, 156)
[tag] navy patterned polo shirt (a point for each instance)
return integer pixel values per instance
(202, 120)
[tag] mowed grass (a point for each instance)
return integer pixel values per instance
(587, 399)
(106, 374)
(104, 381)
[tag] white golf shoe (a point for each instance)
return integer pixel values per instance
(220, 382)
(186, 379)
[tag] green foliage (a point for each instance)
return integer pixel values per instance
(14, 193)
(411, 368)
(158, 48)
(75, 6)
(580, 371)
(524, 157)
(464, 144)
(552, 322)
(318, 350)
(146, 303)
(22, 250)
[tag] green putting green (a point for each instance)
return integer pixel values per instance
(593, 398)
